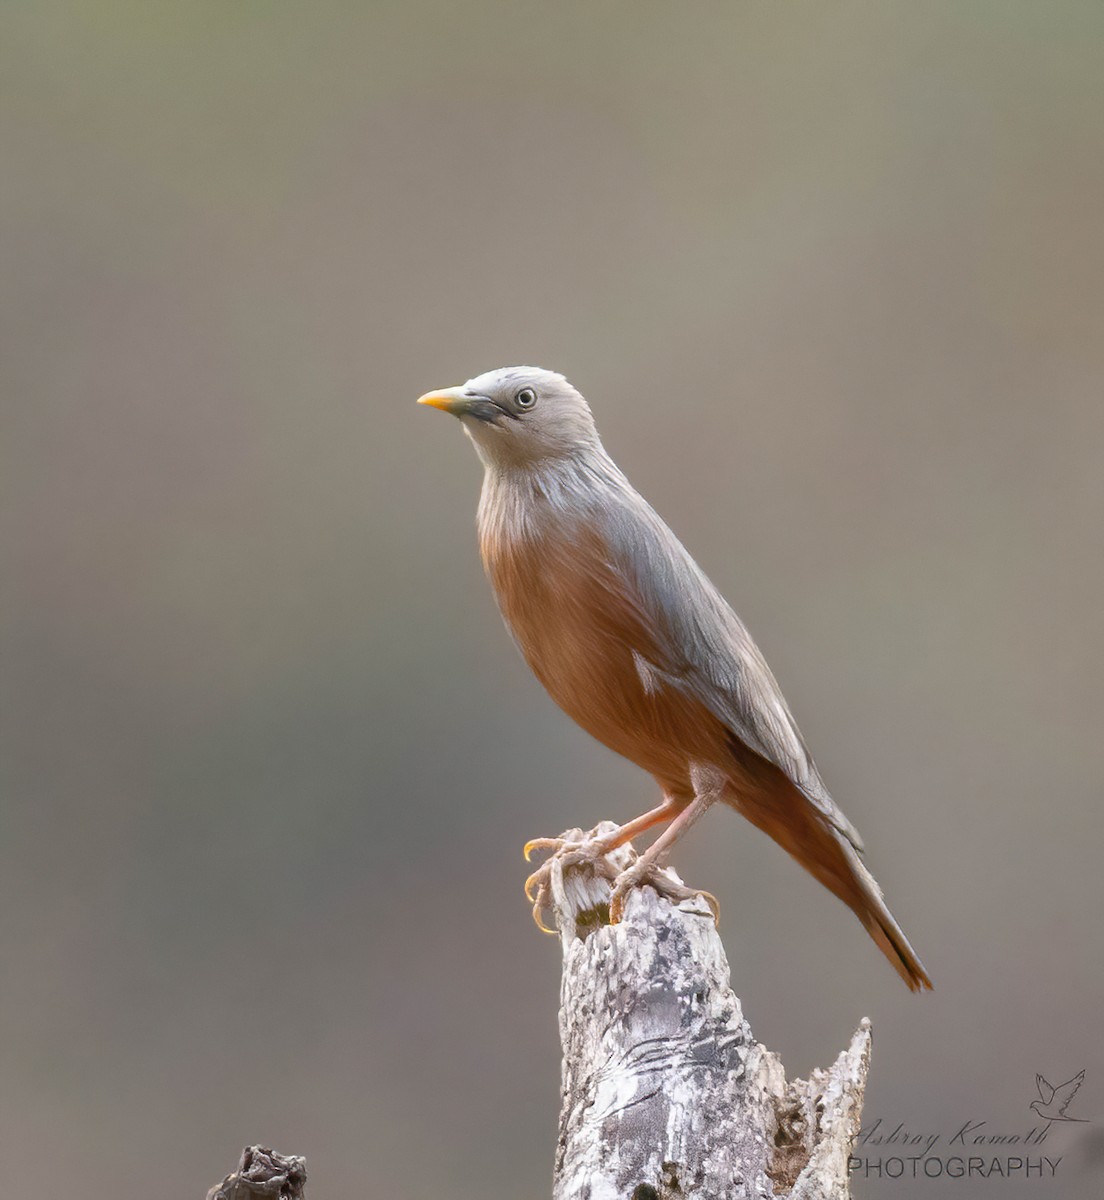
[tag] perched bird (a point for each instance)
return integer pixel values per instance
(635, 644)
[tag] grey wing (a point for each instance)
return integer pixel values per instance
(703, 648)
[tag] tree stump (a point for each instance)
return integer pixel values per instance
(263, 1174)
(665, 1092)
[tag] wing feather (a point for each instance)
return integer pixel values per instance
(697, 644)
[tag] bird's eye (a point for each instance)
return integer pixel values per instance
(526, 398)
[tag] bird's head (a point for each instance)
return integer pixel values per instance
(519, 416)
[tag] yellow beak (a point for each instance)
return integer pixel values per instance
(450, 400)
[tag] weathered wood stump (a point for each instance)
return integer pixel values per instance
(665, 1092)
(263, 1174)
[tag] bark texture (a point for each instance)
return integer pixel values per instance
(665, 1092)
(263, 1174)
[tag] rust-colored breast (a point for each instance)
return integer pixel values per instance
(588, 641)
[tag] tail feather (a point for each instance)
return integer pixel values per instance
(781, 810)
(878, 921)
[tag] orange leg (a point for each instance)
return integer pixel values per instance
(644, 869)
(667, 811)
(579, 849)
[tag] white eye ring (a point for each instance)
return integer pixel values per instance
(526, 398)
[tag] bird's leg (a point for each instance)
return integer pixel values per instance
(708, 786)
(596, 847)
(574, 849)
(570, 851)
(667, 811)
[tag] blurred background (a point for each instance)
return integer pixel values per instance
(832, 277)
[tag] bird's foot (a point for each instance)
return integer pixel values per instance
(593, 851)
(572, 850)
(646, 873)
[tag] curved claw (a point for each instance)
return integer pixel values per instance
(540, 843)
(537, 907)
(532, 885)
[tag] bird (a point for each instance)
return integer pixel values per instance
(1053, 1101)
(633, 641)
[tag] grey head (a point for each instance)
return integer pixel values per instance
(520, 417)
